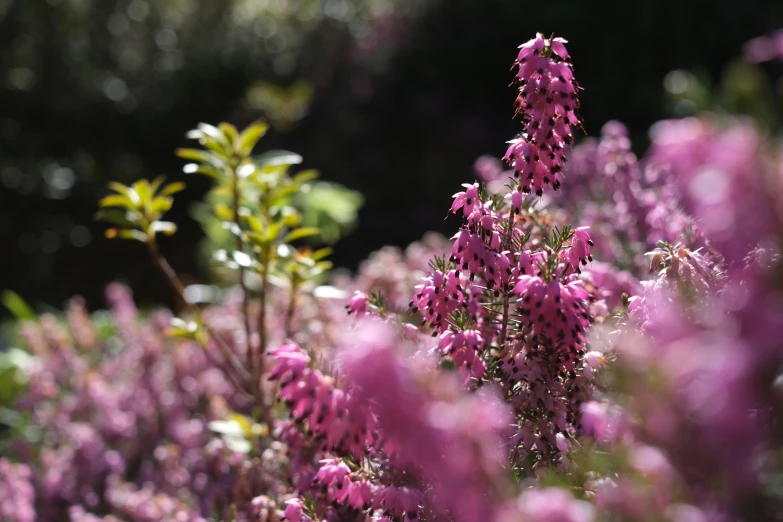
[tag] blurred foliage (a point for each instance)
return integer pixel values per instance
(327, 206)
(743, 88)
(284, 107)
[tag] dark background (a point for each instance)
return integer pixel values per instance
(407, 94)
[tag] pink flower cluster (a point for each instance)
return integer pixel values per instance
(547, 102)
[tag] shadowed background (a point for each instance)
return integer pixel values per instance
(392, 98)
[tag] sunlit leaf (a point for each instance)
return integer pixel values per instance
(172, 188)
(118, 187)
(116, 200)
(305, 176)
(275, 158)
(161, 205)
(200, 156)
(223, 212)
(156, 183)
(165, 227)
(300, 233)
(229, 131)
(17, 306)
(135, 235)
(243, 260)
(195, 168)
(250, 136)
(321, 253)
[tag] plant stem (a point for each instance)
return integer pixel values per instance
(240, 374)
(245, 294)
(506, 246)
(258, 366)
(289, 314)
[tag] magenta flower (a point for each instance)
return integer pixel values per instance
(547, 102)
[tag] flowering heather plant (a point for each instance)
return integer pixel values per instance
(503, 375)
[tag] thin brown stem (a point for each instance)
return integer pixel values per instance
(258, 367)
(289, 314)
(234, 372)
(245, 294)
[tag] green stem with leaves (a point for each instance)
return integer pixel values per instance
(245, 294)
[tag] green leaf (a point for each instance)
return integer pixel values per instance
(143, 189)
(200, 156)
(135, 235)
(116, 200)
(276, 158)
(321, 253)
(250, 136)
(118, 187)
(156, 183)
(212, 131)
(305, 176)
(196, 168)
(17, 306)
(223, 212)
(161, 205)
(117, 217)
(300, 233)
(172, 188)
(164, 227)
(229, 131)
(253, 222)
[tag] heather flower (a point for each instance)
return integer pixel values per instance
(294, 511)
(721, 180)
(554, 505)
(358, 304)
(439, 296)
(547, 102)
(555, 311)
(17, 496)
(429, 422)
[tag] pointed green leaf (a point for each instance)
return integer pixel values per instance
(212, 131)
(126, 234)
(161, 205)
(229, 131)
(250, 136)
(156, 183)
(305, 176)
(200, 156)
(276, 158)
(253, 222)
(195, 168)
(143, 190)
(17, 306)
(118, 187)
(300, 233)
(321, 253)
(172, 188)
(116, 200)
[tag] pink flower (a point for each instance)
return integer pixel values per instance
(358, 304)
(547, 102)
(554, 505)
(294, 511)
(467, 200)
